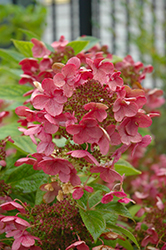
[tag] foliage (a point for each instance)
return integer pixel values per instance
(13, 18)
(82, 115)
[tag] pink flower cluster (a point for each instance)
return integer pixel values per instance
(15, 227)
(107, 115)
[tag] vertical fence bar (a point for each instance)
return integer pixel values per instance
(72, 19)
(14, 1)
(154, 34)
(96, 18)
(113, 27)
(53, 20)
(85, 17)
(127, 26)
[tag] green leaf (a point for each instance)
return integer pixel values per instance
(126, 244)
(124, 167)
(39, 192)
(30, 183)
(60, 143)
(116, 59)
(134, 209)
(100, 187)
(13, 92)
(83, 200)
(144, 131)
(95, 198)
(39, 196)
(25, 178)
(10, 161)
(11, 55)
(49, 47)
(78, 46)
(13, 105)
(115, 207)
(92, 41)
(109, 217)
(24, 47)
(25, 144)
(9, 129)
(125, 232)
(29, 34)
(13, 72)
(29, 198)
(94, 222)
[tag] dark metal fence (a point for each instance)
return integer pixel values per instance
(121, 19)
(89, 12)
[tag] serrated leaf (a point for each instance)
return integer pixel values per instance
(25, 144)
(25, 197)
(125, 232)
(24, 47)
(13, 92)
(78, 46)
(124, 167)
(109, 217)
(9, 129)
(25, 178)
(115, 207)
(94, 222)
(10, 161)
(95, 198)
(11, 55)
(92, 41)
(31, 183)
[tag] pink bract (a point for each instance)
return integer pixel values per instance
(39, 49)
(11, 205)
(86, 131)
(107, 174)
(52, 99)
(97, 111)
(80, 245)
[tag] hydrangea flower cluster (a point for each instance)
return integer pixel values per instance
(86, 102)
(83, 113)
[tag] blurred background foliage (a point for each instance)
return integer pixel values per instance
(14, 17)
(29, 15)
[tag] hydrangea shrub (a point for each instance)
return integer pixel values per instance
(81, 113)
